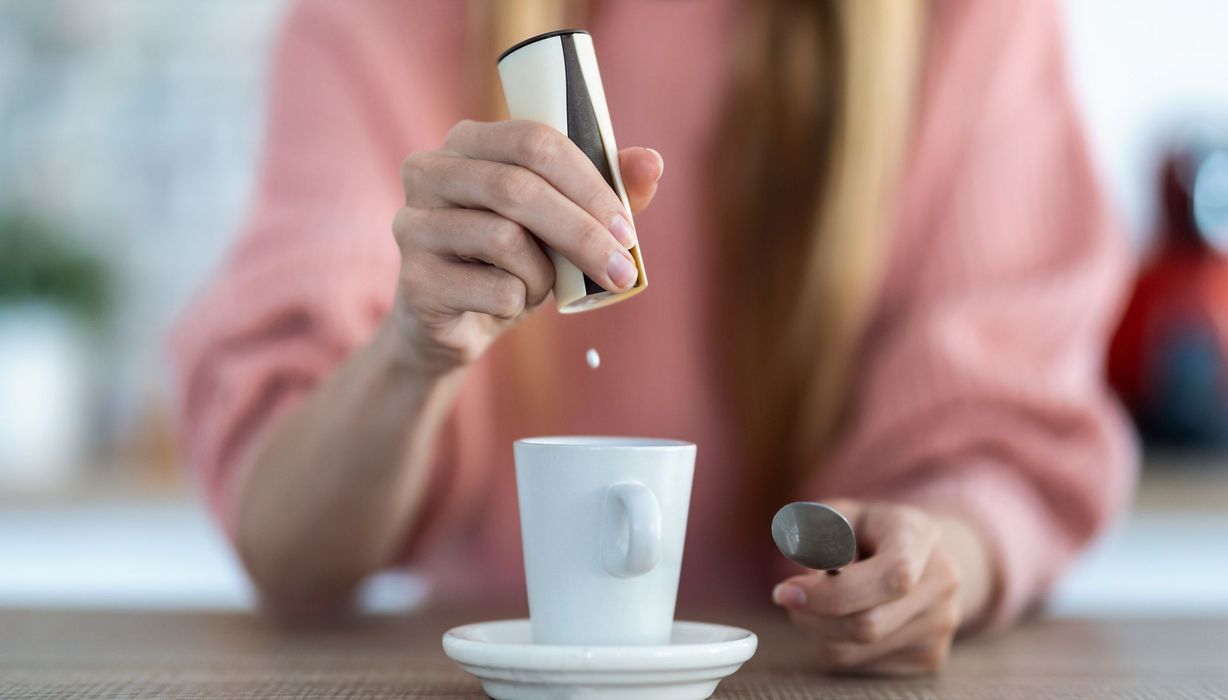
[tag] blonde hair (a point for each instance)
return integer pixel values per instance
(809, 152)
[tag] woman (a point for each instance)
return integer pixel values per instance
(882, 276)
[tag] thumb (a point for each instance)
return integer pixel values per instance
(641, 170)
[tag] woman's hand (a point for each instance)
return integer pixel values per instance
(897, 609)
(475, 212)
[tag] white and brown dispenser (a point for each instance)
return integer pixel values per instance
(553, 78)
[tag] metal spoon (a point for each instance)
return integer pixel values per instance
(815, 536)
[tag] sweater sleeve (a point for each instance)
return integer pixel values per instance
(981, 389)
(314, 269)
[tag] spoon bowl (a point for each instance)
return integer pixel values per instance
(815, 536)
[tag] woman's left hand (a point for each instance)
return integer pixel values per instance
(896, 610)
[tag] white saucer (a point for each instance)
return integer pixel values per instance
(510, 667)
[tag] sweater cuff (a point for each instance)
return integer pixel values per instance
(1026, 548)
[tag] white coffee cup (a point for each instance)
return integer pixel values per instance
(603, 521)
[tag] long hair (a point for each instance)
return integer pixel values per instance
(812, 139)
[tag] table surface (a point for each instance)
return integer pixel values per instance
(73, 654)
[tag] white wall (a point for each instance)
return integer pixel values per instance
(1143, 69)
(135, 125)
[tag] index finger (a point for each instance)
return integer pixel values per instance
(556, 159)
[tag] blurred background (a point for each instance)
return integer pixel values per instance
(129, 134)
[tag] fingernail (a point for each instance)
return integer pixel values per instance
(621, 269)
(789, 596)
(660, 162)
(621, 228)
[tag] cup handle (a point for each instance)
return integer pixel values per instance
(631, 530)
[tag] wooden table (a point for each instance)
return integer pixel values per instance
(64, 654)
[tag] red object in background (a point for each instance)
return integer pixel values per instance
(1169, 358)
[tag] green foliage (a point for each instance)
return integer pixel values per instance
(38, 263)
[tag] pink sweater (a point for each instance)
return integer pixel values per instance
(979, 386)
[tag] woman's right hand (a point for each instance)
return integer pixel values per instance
(475, 212)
